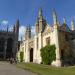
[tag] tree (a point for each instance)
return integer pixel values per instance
(48, 54)
(21, 56)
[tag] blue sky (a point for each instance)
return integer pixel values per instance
(27, 11)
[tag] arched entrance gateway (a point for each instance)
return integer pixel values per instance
(31, 55)
(31, 46)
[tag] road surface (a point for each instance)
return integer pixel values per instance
(8, 69)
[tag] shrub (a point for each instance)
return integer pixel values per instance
(21, 56)
(48, 54)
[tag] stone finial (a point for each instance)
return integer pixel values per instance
(55, 18)
(72, 25)
(64, 20)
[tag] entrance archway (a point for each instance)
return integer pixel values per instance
(31, 55)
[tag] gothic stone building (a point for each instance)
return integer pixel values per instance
(59, 34)
(9, 42)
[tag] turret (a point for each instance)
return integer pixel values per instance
(28, 33)
(72, 25)
(16, 29)
(57, 62)
(16, 32)
(40, 23)
(40, 13)
(40, 16)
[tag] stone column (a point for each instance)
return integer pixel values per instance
(39, 47)
(27, 56)
(35, 50)
(5, 47)
(57, 62)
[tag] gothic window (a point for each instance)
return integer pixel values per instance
(47, 40)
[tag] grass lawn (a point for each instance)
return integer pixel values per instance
(47, 70)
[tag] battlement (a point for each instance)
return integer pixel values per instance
(6, 28)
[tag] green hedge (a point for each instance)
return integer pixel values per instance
(48, 54)
(21, 56)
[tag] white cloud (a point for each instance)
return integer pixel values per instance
(4, 22)
(21, 31)
(33, 30)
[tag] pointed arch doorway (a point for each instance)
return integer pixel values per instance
(31, 54)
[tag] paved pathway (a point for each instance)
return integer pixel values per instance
(8, 69)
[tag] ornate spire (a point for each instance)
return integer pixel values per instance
(40, 12)
(28, 32)
(17, 29)
(55, 18)
(72, 24)
(17, 22)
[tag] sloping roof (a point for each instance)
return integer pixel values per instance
(64, 27)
